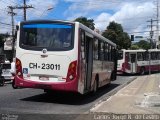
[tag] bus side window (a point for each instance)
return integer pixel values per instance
(153, 57)
(109, 52)
(105, 52)
(146, 54)
(95, 49)
(112, 53)
(158, 55)
(83, 44)
(139, 56)
(133, 58)
(102, 51)
(99, 49)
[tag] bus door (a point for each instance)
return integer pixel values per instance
(133, 60)
(89, 61)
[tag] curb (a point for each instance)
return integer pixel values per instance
(111, 93)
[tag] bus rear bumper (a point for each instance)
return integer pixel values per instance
(71, 86)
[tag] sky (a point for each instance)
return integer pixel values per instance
(131, 14)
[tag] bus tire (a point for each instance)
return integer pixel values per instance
(1, 82)
(13, 85)
(95, 85)
(112, 76)
(142, 70)
(48, 91)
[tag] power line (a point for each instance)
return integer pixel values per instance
(24, 7)
(5, 23)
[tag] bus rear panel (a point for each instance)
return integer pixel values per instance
(46, 57)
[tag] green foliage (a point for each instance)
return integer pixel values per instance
(142, 44)
(134, 47)
(115, 33)
(87, 22)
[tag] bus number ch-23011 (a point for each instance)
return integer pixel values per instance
(44, 66)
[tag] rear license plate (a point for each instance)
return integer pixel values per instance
(44, 78)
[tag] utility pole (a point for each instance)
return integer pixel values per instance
(24, 7)
(12, 19)
(151, 32)
(151, 39)
(157, 41)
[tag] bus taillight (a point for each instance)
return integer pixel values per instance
(19, 68)
(72, 71)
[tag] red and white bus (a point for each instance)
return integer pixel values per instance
(138, 61)
(63, 56)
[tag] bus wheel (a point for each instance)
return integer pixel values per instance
(48, 91)
(13, 85)
(1, 82)
(142, 71)
(112, 76)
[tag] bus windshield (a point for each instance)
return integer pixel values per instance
(120, 55)
(51, 36)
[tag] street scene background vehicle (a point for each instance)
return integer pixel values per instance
(138, 61)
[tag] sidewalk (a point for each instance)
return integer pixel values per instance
(139, 97)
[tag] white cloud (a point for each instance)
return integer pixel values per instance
(39, 11)
(102, 21)
(132, 16)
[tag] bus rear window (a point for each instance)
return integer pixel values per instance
(50, 36)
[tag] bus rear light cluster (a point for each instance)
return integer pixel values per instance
(19, 68)
(72, 71)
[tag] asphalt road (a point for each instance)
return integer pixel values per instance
(32, 101)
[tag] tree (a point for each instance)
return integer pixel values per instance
(142, 44)
(114, 32)
(87, 22)
(134, 47)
